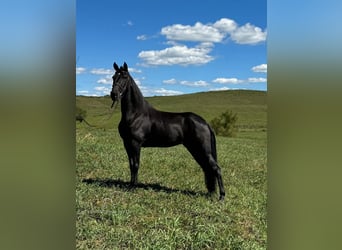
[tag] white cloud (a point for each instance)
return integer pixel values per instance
(137, 81)
(255, 80)
(225, 25)
(83, 92)
(179, 54)
(197, 33)
(215, 33)
(170, 81)
(106, 80)
(103, 90)
(206, 35)
(80, 70)
(134, 70)
(142, 37)
(205, 45)
(262, 68)
(88, 93)
(102, 71)
(166, 92)
(222, 80)
(227, 80)
(224, 88)
(199, 83)
(248, 34)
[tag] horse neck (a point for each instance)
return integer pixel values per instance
(132, 102)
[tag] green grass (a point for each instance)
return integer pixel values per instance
(170, 209)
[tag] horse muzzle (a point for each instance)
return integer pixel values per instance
(113, 96)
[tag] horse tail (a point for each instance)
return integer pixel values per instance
(213, 143)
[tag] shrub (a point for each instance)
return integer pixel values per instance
(80, 112)
(225, 124)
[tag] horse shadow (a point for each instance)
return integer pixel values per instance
(125, 185)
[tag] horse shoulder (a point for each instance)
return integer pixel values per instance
(136, 128)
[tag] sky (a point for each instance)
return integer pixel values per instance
(172, 47)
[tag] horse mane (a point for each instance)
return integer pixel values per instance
(135, 88)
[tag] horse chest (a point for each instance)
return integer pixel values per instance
(132, 130)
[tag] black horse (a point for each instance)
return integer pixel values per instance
(143, 126)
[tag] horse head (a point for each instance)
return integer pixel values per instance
(120, 82)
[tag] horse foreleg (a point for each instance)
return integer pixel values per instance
(133, 153)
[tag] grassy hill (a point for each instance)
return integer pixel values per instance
(250, 106)
(169, 209)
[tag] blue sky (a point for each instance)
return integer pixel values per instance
(172, 47)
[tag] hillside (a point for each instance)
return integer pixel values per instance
(170, 208)
(251, 107)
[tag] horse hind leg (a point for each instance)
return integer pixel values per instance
(210, 179)
(212, 172)
(217, 172)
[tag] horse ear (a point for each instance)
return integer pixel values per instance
(125, 66)
(116, 67)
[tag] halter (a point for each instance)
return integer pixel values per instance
(123, 83)
(119, 84)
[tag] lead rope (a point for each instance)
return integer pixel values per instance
(113, 106)
(80, 118)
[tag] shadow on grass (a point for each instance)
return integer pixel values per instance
(150, 186)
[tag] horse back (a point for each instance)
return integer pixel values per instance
(166, 129)
(179, 127)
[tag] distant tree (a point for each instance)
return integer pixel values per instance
(81, 112)
(80, 116)
(225, 124)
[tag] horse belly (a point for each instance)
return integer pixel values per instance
(166, 137)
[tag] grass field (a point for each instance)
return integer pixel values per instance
(169, 209)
